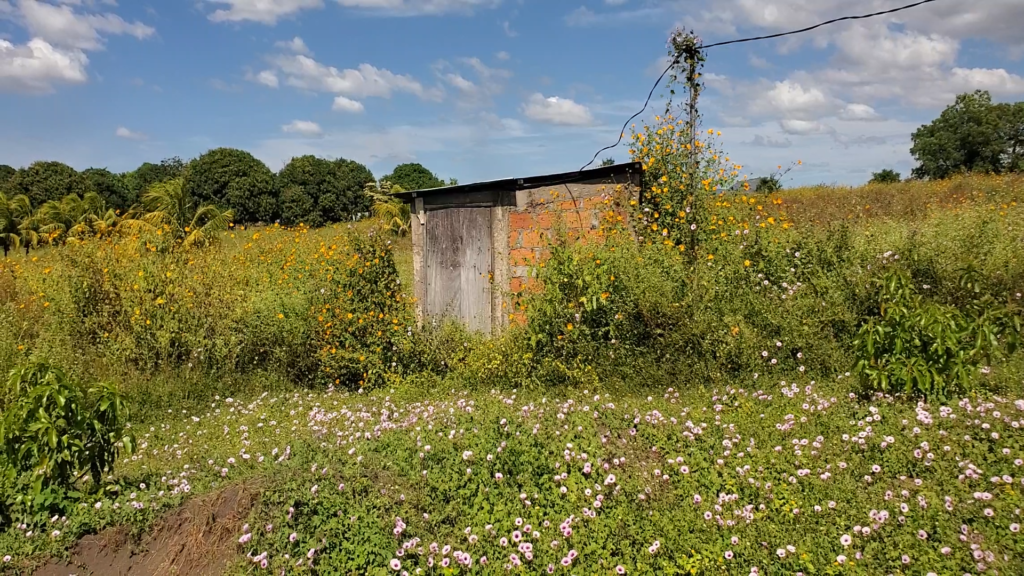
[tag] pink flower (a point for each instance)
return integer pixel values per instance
(395, 564)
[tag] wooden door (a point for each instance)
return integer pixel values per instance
(457, 263)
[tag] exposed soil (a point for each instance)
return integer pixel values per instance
(196, 540)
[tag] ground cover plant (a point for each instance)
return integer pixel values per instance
(766, 476)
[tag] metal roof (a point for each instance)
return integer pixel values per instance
(602, 173)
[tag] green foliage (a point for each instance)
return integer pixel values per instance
(363, 317)
(316, 191)
(14, 211)
(608, 162)
(178, 216)
(139, 180)
(885, 176)
(54, 433)
(6, 173)
(235, 179)
(920, 347)
(75, 218)
(43, 181)
(413, 176)
(971, 135)
(110, 187)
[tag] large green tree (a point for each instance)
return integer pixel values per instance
(139, 180)
(413, 176)
(13, 212)
(315, 191)
(46, 180)
(109, 186)
(970, 135)
(6, 173)
(235, 179)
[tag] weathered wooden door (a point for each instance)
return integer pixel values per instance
(457, 264)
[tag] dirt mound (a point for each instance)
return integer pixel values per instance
(196, 540)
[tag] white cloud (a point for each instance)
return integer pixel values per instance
(769, 142)
(507, 27)
(296, 45)
(555, 110)
(342, 104)
(36, 67)
(615, 2)
(418, 7)
(302, 128)
(804, 127)
(861, 112)
(488, 82)
(127, 134)
(265, 77)
(304, 72)
(502, 55)
(261, 11)
(62, 26)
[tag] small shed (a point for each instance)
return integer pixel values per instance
(474, 244)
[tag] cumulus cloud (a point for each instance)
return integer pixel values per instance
(260, 11)
(62, 26)
(417, 7)
(38, 66)
(487, 81)
(127, 134)
(60, 37)
(302, 128)
(555, 110)
(342, 104)
(296, 45)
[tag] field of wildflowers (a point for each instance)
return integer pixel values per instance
(815, 381)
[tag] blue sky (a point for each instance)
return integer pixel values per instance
(481, 89)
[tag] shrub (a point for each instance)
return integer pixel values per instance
(364, 321)
(887, 176)
(54, 433)
(925, 348)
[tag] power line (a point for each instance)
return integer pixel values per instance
(741, 40)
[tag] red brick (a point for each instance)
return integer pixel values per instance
(567, 205)
(534, 239)
(515, 285)
(544, 219)
(520, 220)
(521, 257)
(513, 239)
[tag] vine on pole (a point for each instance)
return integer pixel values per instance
(688, 58)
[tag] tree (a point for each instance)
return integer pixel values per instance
(971, 135)
(886, 176)
(13, 212)
(6, 173)
(140, 179)
(316, 191)
(170, 208)
(74, 217)
(413, 176)
(1012, 121)
(109, 186)
(608, 162)
(233, 178)
(45, 181)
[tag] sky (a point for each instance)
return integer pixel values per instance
(485, 89)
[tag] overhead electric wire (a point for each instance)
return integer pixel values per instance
(741, 40)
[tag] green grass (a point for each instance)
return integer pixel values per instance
(775, 463)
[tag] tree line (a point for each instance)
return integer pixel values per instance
(51, 201)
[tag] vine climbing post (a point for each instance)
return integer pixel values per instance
(689, 56)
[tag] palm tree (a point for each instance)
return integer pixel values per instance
(168, 208)
(72, 217)
(393, 214)
(13, 211)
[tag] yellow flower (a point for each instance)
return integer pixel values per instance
(746, 262)
(711, 256)
(280, 315)
(568, 326)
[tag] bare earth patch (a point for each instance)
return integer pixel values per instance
(199, 539)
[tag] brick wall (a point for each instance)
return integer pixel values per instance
(586, 211)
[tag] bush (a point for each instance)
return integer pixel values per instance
(887, 176)
(925, 348)
(364, 322)
(53, 434)
(316, 191)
